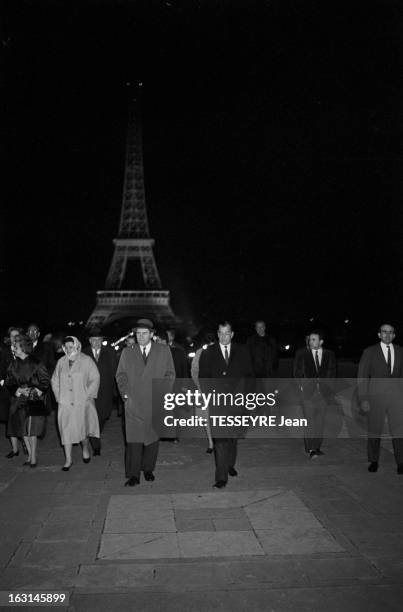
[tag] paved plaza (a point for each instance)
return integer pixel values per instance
(285, 534)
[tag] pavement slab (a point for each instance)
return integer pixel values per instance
(286, 534)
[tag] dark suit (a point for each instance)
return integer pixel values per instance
(230, 378)
(107, 364)
(263, 353)
(316, 386)
(45, 353)
(383, 391)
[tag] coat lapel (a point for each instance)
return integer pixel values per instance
(151, 356)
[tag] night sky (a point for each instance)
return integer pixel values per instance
(272, 150)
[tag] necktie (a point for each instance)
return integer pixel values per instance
(144, 354)
(317, 360)
(97, 354)
(226, 357)
(389, 362)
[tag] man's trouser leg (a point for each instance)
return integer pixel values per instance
(133, 459)
(376, 421)
(150, 454)
(395, 419)
(314, 411)
(96, 442)
(221, 459)
(232, 451)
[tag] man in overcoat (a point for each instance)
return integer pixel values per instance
(138, 367)
(106, 361)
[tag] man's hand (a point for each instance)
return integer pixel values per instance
(364, 406)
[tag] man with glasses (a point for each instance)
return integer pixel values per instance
(380, 394)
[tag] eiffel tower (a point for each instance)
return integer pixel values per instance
(133, 244)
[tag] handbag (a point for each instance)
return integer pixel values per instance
(36, 405)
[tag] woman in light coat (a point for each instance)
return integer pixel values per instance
(75, 383)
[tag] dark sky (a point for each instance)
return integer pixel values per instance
(272, 148)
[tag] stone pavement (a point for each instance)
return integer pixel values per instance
(286, 534)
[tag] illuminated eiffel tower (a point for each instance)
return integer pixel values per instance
(133, 244)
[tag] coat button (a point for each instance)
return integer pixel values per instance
(71, 404)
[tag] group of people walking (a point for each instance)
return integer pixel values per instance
(84, 383)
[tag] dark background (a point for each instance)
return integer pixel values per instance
(272, 150)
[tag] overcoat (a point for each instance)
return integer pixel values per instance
(140, 381)
(75, 389)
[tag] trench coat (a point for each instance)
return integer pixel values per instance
(144, 385)
(76, 389)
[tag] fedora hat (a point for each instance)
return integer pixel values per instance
(144, 324)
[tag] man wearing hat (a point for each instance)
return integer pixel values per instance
(106, 361)
(138, 368)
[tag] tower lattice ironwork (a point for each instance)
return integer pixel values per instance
(133, 243)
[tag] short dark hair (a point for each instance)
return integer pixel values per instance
(25, 343)
(163, 335)
(390, 325)
(68, 339)
(33, 324)
(317, 332)
(225, 323)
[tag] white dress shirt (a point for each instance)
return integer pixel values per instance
(147, 348)
(320, 353)
(384, 348)
(223, 347)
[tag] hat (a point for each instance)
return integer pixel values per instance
(95, 332)
(144, 324)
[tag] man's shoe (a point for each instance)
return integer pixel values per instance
(12, 454)
(373, 466)
(400, 468)
(97, 452)
(313, 454)
(232, 471)
(319, 452)
(149, 476)
(220, 484)
(132, 482)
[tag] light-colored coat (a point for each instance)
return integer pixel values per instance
(75, 390)
(135, 379)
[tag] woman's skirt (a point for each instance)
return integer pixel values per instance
(20, 424)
